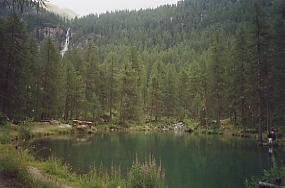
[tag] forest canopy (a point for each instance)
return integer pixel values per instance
(204, 60)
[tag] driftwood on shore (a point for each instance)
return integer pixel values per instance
(269, 185)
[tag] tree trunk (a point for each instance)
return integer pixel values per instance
(66, 109)
(259, 92)
(111, 92)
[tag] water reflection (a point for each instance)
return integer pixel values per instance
(189, 160)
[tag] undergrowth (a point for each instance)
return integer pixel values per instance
(14, 164)
(276, 176)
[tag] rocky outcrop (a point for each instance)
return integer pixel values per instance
(55, 32)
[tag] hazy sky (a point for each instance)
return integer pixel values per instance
(83, 7)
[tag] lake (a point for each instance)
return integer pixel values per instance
(190, 161)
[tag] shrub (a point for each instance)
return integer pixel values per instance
(269, 176)
(54, 167)
(3, 119)
(5, 139)
(13, 165)
(146, 174)
(100, 178)
(25, 132)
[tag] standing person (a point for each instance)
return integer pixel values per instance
(271, 136)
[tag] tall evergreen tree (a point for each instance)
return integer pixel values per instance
(260, 63)
(157, 77)
(131, 87)
(51, 82)
(111, 82)
(216, 77)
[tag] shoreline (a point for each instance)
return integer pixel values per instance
(43, 129)
(46, 168)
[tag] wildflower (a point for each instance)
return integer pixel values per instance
(145, 170)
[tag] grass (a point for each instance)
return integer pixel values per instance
(25, 132)
(5, 139)
(14, 165)
(5, 133)
(53, 131)
(140, 175)
(269, 176)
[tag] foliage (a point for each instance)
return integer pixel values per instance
(5, 139)
(25, 132)
(269, 176)
(3, 119)
(14, 166)
(200, 60)
(55, 168)
(140, 175)
(146, 174)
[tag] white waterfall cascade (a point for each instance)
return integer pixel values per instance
(66, 44)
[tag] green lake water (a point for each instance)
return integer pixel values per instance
(190, 161)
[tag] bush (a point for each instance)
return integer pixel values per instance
(146, 175)
(25, 132)
(14, 166)
(3, 119)
(54, 167)
(269, 176)
(5, 139)
(141, 175)
(100, 178)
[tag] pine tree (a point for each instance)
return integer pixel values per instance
(170, 92)
(51, 82)
(32, 81)
(111, 76)
(91, 77)
(157, 77)
(183, 95)
(131, 104)
(260, 65)
(238, 76)
(275, 108)
(216, 77)
(14, 59)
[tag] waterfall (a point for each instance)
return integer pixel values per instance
(65, 47)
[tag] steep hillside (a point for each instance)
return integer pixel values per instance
(201, 60)
(191, 21)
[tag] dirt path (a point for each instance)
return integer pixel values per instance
(36, 173)
(6, 182)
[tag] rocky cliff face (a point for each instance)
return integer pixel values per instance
(55, 32)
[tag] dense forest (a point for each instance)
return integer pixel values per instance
(205, 60)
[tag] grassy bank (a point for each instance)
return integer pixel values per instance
(16, 165)
(10, 132)
(275, 176)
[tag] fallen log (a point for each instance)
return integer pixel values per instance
(268, 185)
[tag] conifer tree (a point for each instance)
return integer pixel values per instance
(91, 77)
(51, 80)
(260, 63)
(238, 76)
(170, 91)
(131, 87)
(216, 77)
(111, 76)
(14, 61)
(157, 77)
